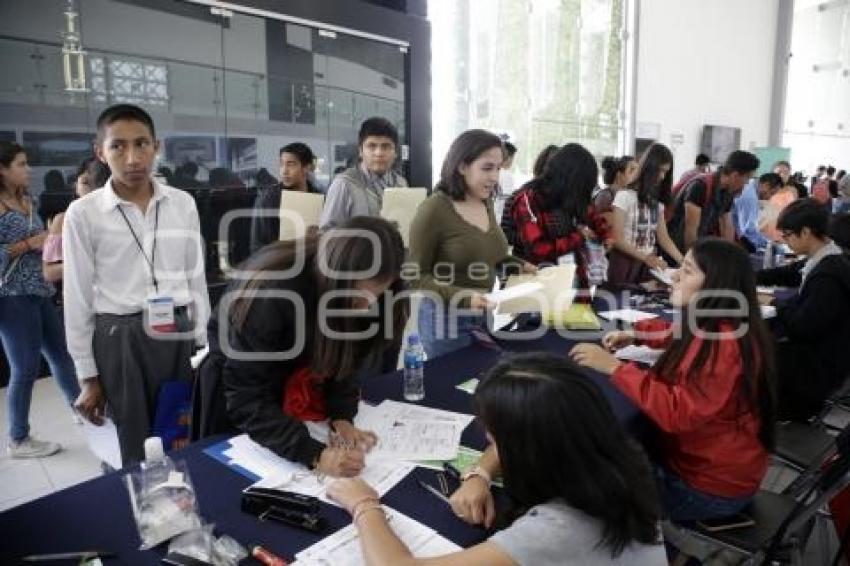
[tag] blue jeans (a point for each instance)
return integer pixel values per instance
(681, 503)
(439, 334)
(29, 326)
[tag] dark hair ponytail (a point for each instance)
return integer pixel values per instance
(612, 166)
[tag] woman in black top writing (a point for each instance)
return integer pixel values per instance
(290, 337)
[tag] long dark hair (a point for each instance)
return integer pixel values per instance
(345, 253)
(557, 438)
(649, 190)
(727, 269)
(8, 152)
(466, 148)
(568, 180)
(542, 159)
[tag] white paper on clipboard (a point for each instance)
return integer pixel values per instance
(299, 211)
(399, 206)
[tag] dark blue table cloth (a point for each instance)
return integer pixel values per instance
(96, 514)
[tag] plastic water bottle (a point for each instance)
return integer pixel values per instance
(414, 371)
(769, 259)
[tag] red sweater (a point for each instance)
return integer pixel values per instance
(709, 439)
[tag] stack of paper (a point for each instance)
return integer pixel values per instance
(640, 354)
(343, 547)
(627, 315)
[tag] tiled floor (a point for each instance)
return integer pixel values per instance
(50, 419)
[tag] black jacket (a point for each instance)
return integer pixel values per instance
(814, 361)
(246, 395)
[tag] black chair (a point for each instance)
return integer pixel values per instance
(784, 523)
(804, 448)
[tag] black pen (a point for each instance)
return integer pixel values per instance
(434, 492)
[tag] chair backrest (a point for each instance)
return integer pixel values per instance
(835, 477)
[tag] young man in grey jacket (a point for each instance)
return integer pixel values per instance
(359, 190)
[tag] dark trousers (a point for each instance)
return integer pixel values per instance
(132, 367)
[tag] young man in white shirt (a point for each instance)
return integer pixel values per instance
(135, 293)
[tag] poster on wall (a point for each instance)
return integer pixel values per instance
(239, 154)
(57, 149)
(195, 149)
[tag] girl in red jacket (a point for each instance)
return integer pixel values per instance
(711, 392)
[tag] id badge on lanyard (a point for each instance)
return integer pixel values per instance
(159, 314)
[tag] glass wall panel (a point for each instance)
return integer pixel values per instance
(226, 93)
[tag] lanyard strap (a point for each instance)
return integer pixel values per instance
(139, 243)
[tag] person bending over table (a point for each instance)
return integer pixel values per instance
(582, 496)
(275, 355)
(812, 362)
(457, 246)
(711, 391)
(551, 218)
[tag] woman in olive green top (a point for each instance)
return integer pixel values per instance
(457, 244)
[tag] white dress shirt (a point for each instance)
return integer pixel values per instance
(105, 272)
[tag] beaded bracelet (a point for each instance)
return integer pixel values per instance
(362, 500)
(360, 512)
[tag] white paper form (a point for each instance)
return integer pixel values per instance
(640, 354)
(103, 442)
(521, 290)
(381, 475)
(277, 472)
(627, 315)
(411, 432)
(343, 547)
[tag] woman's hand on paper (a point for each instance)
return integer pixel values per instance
(349, 436)
(341, 462)
(473, 502)
(594, 357)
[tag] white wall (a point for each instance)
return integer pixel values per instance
(705, 62)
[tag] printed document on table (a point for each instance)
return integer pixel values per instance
(277, 472)
(627, 315)
(343, 547)
(381, 475)
(411, 432)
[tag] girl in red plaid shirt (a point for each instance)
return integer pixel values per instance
(551, 218)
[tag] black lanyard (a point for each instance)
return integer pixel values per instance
(139, 243)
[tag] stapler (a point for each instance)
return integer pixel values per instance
(289, 508)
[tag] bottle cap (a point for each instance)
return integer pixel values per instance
(153, 449)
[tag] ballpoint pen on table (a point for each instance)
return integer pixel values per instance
(82, 555)
(434, 491)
